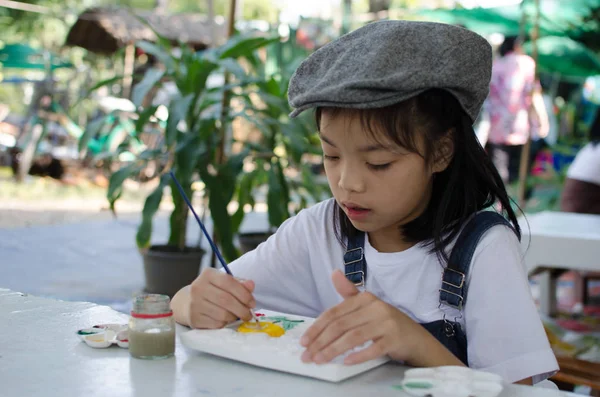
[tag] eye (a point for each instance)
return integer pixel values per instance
(379, 167)
(330, 158)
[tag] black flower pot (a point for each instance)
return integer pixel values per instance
(249, 241)
(168, 269)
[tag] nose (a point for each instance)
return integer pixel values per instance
(351, 179)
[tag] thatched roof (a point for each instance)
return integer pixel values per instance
(105, 30)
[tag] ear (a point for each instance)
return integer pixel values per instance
(443, 153)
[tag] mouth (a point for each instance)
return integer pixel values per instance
(354, 211)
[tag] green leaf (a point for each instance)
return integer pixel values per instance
(280, 105)
(151, 206)
(232, 66)
(207, 128)
(105, 82)
(151, 78)
(285, 197)
(244, 197)
(276, 206)
(310, 184)
(228, 173)
(218, 211)
(178, 110)
(150, 154)
(244, 46)
(186, 161)
(196, 76)
(116, 180)
(273, 88)
(91, 130)
(143, 118)
(256, 62)
(178, 218)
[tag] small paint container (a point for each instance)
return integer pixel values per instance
(104, 335)
(451, 381)
(99, 341)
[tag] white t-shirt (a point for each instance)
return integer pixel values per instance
(586, 166)
(292, 271)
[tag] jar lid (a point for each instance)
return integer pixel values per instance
(151, 304)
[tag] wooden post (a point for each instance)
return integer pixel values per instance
(346, 16)
(524, 163)
(211, 22)
(220, 155)
(225, 102)
(128, 66)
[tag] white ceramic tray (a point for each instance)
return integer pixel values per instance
(280, 354)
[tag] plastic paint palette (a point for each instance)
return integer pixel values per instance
(451, 381)
(105, 335)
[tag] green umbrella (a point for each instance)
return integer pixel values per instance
(21, 56)
(561, 55)
(564, 16)
(557, 18)
(485, 21)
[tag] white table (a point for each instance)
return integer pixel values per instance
(555, 241)
(40, 355)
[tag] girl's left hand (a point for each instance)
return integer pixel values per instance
(361, 317)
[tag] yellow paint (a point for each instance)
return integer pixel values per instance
(95, 338)
(268, 328)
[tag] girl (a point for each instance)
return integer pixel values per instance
(391, 257)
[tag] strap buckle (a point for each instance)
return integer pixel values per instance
(462, 279)
(354, 266)
(362, 278)
(458, 306)
(356, 260)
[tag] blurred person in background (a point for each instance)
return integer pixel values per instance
(581, 192)
(515, 104)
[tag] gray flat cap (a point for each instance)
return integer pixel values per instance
(387, 62)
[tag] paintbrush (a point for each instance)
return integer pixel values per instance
(210, 241)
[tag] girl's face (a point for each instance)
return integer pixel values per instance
(379, 185)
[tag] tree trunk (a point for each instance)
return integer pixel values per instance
(379, 5)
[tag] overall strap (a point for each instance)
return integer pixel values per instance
(454, 280)
(354, 260)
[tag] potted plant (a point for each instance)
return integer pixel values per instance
(189, 147)
(278, 157)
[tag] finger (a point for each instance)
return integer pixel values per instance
(342, 285)
(347, 307)
(227, 303)
(227, 283)
(376, 350)
(248, 284)
(352, 338)
(217, 313)
(202, 321)
(337, 329)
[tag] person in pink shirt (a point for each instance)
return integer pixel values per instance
(511, 105)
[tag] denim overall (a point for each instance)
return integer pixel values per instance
(453, 290)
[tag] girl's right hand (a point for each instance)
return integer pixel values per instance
(217, 299)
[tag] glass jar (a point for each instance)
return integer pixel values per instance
(151, 327)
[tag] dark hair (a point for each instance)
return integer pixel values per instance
(508, 45)
(595, 129)
(469, 184)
